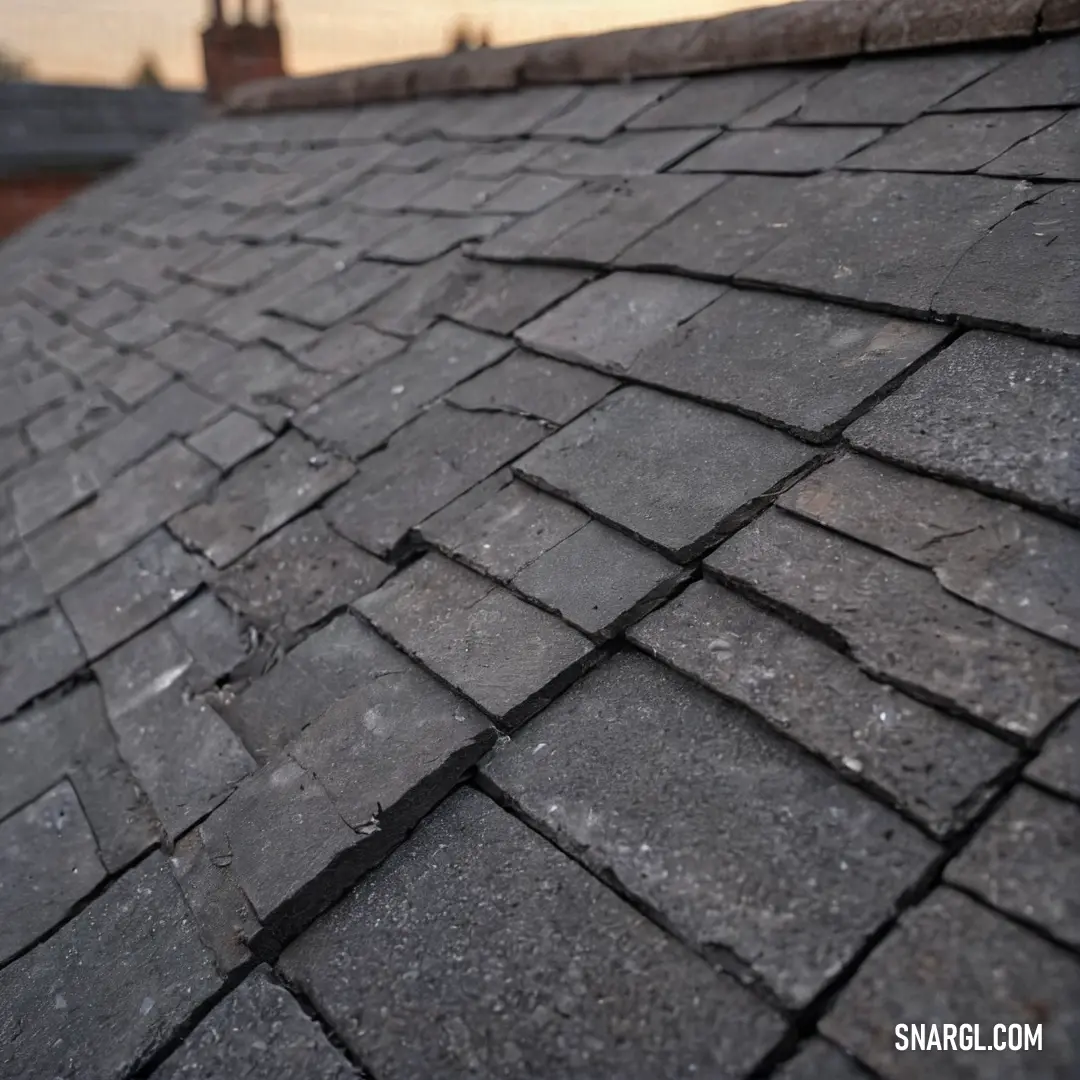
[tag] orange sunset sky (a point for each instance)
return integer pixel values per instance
(101, 40)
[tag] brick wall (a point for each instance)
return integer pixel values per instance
(238, 53)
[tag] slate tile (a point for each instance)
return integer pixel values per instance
(1052, 153)
(788, 151)
(712, 101)
(432, 237)
(14, 453)
(598, 222)
(948, 419)
(126, 974)
(816, 1059)
(631, 153)
(21, 593)
(260, 496)
(366, 412)
(186, 350)
(35, 656)
(672, 473)
(936, 769)
(500, 652)
(950, 959)
(484, 911)
(394, 190)
(140, 329)
(528, 193)
(336, 297)
(603, 110)
(74, 419)
(687, 821)
(422, 468)
(458, 195)
(228, 441)
(291, 338)
(508, 115)
(608, 322)
(797, 363)
(1024, 861)
(349, 348)
(492, 162)
(893, 91)
(299, 575)
(23, 400)
(258, 1030)
(922, 226)
(48, 863)
(959, 143)
(1023, 273)
(1058, 766)
(341, 223)
(129, 508)
(131, 592)
(132, 379)
(893, 617)
(1040, 77)
(991, 553)
(108, 307)
(50, 487)
(533, 385)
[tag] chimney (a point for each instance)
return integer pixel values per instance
(241, 52)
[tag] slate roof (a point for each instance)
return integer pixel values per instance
(68, 126)
(662, 496)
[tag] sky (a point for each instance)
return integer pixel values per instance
(101, 41)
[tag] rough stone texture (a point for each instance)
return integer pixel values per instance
(1025, 272)
(922, 227)
(258, 1032)
(869, 92)
(960, 143)
(125, 975)
(607, 323)
(518, 657)
(1025, 862)
(779, 150)
(995, 412)
(71, 738)
(365, 413)
(748, 849)
(994, 554)
(893, 618)
(183, 755)
(483, 924)
(230, 440)
(675, 474)
(801, 364)
(951, 960)
(531, 385)
(423, 467)
(934, 768)
(263, 494)
(35, 656)
(817, 1059)
(299, 575)
(1058, 766)
(73, 420)
(131, 592)
(48, 863)
(1051, 154)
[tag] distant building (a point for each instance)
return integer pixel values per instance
(240, 52)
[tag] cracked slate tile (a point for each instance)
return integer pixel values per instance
(1024, 272)
(260, 496)
(126, 975)
(713, 822)
(130, 507)
(1052, 153)
(507, 115)
(868, 91)
(458, 195)
(48, 862)
(35, 656)
(958, 143)
(529, 192)
(50, 487)
(991, 553)
(337, 296)
(499, 161)
(801, 364)
(131, 592)
(952, 958)
(350, 348)
(132, 379)
(21, 593)
(603, 110)
(424, 466)
(22, 400)
(922, 226)
(818, 1058)
(936, 769)
(230, 440)
(997, 412)
(186, 350)
(672, 473)
(109, 306)
(76, 418)
(507, 656)
(1058, 766)
(429, 238)
(894, 619)
(532, 385)
(258, 1030)
(300, 575)
(609, 995)
(791, 151)
(1024, 861)
(362, 415)
(630, 153)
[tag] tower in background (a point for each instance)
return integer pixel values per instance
(240, 52)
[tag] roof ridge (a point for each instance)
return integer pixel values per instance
(799, 32)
